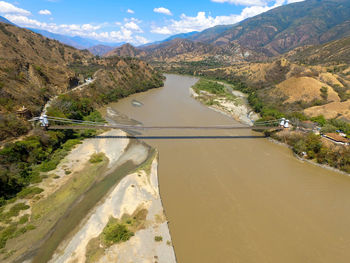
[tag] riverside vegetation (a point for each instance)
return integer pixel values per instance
(315, 148)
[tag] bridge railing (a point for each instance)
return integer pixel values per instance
(64, 123)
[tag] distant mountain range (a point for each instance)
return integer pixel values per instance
(76, 41)
(311, 22)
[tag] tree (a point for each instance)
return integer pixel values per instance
(324, 93)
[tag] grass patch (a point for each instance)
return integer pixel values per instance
(6, 234)
(217, 90)
(115, 232)
(29, 192)
(210, 86)
(14, 211)
(97, 158)
(158, 238)
(147, 165)
(64, 196)
(24, 219)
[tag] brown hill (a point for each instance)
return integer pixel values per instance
(284, 28)
(34, 68)
(334, 52)
(125, 50)
(186, 50)
(100, 50)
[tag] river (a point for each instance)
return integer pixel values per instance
(237, 197)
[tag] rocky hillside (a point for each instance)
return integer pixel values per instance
(334, 52)
(34, 68)
(290, 86)
(184, 50)
(126, 50)
(284, 28)
(100, 50)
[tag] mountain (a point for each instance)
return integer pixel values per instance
(208, 35)
(334, 52)
(76, 41)
(284, 28)
(182, 35)
(126, 50)
(184, 50)
(100, 50)
(4, 20)
(311, 22)
(34, 68)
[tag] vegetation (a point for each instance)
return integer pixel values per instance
(301, 143)
(116, 232)
(158, 238)
(97, 158)
(324, 93)
(311, 146)
(210, 86)
(342, 92)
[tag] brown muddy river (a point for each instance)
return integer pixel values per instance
(239, 198)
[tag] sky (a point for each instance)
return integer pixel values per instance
(137, 22)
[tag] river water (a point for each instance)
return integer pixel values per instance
(235, 196)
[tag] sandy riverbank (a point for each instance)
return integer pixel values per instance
(237, 109)
(136, 191)
(69, 191)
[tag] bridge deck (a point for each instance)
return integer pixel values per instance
(81, 127)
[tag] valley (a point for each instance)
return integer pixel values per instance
(178, 195)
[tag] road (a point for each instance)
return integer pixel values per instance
(49, 103)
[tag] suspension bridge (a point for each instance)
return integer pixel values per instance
(57, 123)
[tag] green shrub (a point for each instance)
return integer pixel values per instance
(210, 86)
(7, 234)
(97, 158)
(158, 238)
(115, 232)
(29, 192)
(24, 219)
(321, 120)
(14, 210)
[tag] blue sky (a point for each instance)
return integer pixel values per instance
(137, 22)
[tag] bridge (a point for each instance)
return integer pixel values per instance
(57, 123)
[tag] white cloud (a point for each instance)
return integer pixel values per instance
(45, 12)
(127, 33)
(133, 26)
(294, 1)
(244, 2)
(130, 11)
(202, 21)
(162, 10)
(7, 8)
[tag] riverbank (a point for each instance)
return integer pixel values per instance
(222, 98)
(125, 170)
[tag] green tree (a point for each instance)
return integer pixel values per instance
(324, 93)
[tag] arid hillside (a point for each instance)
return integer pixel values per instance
(183, 50)
(34, 68)
(291, 86)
